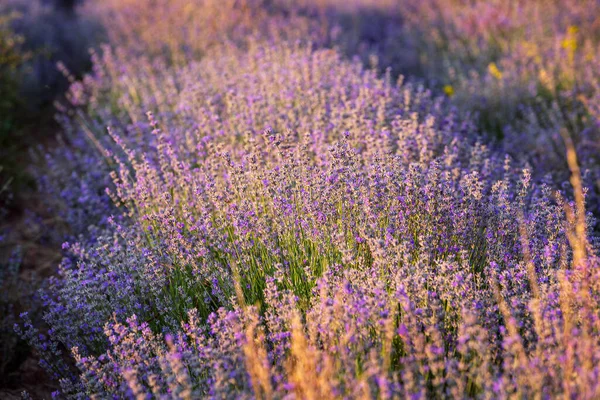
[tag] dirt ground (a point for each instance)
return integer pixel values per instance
(40, 256)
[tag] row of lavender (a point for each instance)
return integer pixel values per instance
(256, 216)
(525, 70)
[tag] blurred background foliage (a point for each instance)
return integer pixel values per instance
(34, 37)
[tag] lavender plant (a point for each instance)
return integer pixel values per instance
(289, 223)
(256, 216)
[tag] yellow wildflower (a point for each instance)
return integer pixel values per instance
(569, 44)
(494, 71)
(449, 90)
(572, 30)
(570, 41)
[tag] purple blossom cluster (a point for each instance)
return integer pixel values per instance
(255, 215)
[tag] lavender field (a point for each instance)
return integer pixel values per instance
(300, 199)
